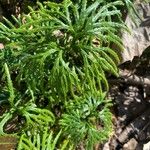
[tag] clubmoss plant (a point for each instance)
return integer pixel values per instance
(56, 60)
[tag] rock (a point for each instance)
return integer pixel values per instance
(130, 145)
(146, 146)
(139, 39)
(106, 146)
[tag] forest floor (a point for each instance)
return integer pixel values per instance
(131, 97)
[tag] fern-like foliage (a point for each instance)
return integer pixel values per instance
(34, 117)
(53, 48)
(44, 140)
(61, 53)
(86, 122)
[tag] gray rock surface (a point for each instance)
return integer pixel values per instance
(139, 39)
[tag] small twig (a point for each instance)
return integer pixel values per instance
(134, 128)
(134, 79)
(127, 77)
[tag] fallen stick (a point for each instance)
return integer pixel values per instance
(129, 78)
(134, 128)
(134, 79)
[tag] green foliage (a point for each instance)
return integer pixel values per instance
(59, 56)
(57, 43)
(33, 116)
(86, 122)
(132, 11)
(44, 140)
